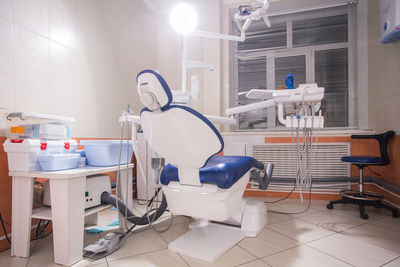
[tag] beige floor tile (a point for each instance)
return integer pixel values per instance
(166, 217)
(267, 200)
(42, 254)
(376, 235)
(353, 210)
(87, 262)
(88, 236)
(163, 257)
(175, 231)
(257, 263)
(353, 251)
(319, 204)
(7, 260)
(333, 222)
(394, 263)
(276, 217)
(274, 201)
(293, 208)
(300, 230)
(387, 222)
(138, 243)
(266, 243)
(303, 256)
(233, 257)
(141, 207)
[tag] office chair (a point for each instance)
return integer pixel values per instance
(362, 197)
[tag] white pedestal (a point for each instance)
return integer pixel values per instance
(207, 243)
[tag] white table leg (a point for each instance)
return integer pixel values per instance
(22, 198)
(125, 185)
(68, 211)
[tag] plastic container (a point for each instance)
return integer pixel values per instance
(104, 153)
(57, 162)
(82, 162)
(24, 131)
(22, 153)
(53, 131)
(289, 81)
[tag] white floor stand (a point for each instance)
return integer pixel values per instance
(207, 243)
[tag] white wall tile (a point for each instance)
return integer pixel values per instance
(63, 80)
(31, 56)
(61, 57)
(6, 48)
(32, 15)
(62, 22)
(32, 97)
(5, 9)
(7, 94)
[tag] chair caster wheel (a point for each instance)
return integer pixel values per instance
(329, 206)
(395, 214)
(364, 216)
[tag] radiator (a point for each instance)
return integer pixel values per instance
(326, 162)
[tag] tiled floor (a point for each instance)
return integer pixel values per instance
(318, 237)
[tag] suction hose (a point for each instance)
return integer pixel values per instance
(109, 198)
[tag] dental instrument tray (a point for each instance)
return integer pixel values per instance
(24, 118)
(58, 162)
(39, 126)
(104, 153)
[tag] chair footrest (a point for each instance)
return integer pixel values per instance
(366, 195)
(207, 243)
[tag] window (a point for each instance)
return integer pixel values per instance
(312, 45)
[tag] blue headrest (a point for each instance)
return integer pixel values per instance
(156, 85)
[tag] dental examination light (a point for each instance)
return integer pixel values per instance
(183, 18)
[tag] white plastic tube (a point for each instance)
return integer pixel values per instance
(250, 107)
(184, 63)
(280, 115)
(215, 35)
(221, 120)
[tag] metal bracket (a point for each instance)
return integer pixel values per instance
(15, 115)
(263, 181)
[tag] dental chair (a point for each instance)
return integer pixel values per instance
(197, 182)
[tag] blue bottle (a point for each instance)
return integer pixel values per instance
(289, 81)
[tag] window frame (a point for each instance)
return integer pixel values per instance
(308, 51)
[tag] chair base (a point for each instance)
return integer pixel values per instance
(366, 195)
(208, 242)
(363, 199)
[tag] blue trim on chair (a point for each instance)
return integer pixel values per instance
(362, 160)
(204, 119)
(163, 84)
(145, 109)
(224, 171)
